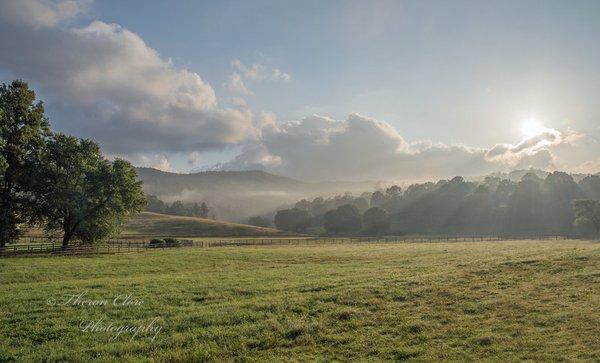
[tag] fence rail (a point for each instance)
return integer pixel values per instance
(125, 246)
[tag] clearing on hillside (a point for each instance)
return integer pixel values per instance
(162, 225)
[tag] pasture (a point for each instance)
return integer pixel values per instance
(508, 300)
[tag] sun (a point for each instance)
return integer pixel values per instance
(531, 128)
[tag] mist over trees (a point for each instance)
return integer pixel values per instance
(376, 221)
(238, 195)
(494, 206)
(587, 215)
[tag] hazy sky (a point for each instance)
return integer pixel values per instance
(318, 89)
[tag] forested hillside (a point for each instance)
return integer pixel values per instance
(532, 205)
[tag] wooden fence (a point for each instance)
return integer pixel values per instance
(127, 246)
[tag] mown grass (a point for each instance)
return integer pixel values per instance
(498, 301)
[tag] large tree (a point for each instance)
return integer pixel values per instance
(344, 219)
(81, 193)
(23, 130)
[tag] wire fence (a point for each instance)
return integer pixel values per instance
(55, 247)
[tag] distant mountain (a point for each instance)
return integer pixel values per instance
(237, 195)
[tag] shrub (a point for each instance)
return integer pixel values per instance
(156, 243)
(172, 242)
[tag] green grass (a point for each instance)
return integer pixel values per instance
(162, 225)
(495, 301)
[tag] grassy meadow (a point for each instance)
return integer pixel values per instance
(163, 225)
(496, 301)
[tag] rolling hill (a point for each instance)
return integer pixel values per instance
(237, 195)
(162, 225)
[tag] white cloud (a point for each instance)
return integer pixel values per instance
(36, 13)
(259, 72)
(237, 102)
(236, 84)
(532, 151)
(359, 148)
(105, 82)
(320, 148)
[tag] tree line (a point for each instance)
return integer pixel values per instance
(554, 205)
(58, 182)
(179, 208)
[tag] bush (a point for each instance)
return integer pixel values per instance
(172, 242)
(156, 243)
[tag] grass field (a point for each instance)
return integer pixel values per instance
(498, 301)
(162, 225)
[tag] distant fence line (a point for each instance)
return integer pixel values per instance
(140, 245)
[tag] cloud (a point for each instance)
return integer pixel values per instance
(36, 13)
(541, 159)
(532, 152)
(236, 84)
(103, 81)
(320, 148)
(359, 148)
(259, 72)
(237, 102)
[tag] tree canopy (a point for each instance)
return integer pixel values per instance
(528, 203)
(81, 193)
(178, 208)
(343, 219)
(294, 219)
(60, 181)
(23, 130)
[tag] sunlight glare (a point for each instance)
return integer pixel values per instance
(531, 128)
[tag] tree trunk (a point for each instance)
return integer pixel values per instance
(67, 231)
(65, 240)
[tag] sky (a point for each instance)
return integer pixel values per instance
(318, 90)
